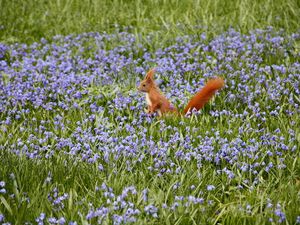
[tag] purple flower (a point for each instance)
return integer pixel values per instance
(210, 187)
(40, 219)
(61, 221)
(297, 220)
(72, 223)
(151, 210)
(52, 220)
(145, 195)
(279, 213)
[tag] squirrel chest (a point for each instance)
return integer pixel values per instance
(148, 100)
(149, 103)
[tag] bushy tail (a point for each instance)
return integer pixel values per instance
(204, 95)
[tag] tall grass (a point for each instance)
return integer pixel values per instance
(30, 20)
(56, 156)
(235, 163)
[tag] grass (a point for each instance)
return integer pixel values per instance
(30, 20)
(80, 179)
(36, 179)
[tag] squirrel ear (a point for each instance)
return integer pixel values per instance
(150, 73)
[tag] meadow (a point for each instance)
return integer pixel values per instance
(76, 146)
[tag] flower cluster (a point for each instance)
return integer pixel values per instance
(75, 97)
(57, 200)
(2, 187)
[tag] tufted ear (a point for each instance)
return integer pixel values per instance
(150, 74)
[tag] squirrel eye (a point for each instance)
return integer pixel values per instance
(144, 85)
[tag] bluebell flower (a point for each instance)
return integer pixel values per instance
(298, 220)
(210, 187)
(279, 213)
(151, 210)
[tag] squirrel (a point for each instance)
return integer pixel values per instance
(157, 102)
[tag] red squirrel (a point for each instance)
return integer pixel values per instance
(157, 102)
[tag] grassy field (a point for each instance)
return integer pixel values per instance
(76, 146)
(30, 20)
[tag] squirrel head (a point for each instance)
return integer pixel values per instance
(148, 82)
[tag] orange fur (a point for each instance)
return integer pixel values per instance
(204, 95)
(158, 102)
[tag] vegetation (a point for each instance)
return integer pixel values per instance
(76, 146)
(30, 20)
